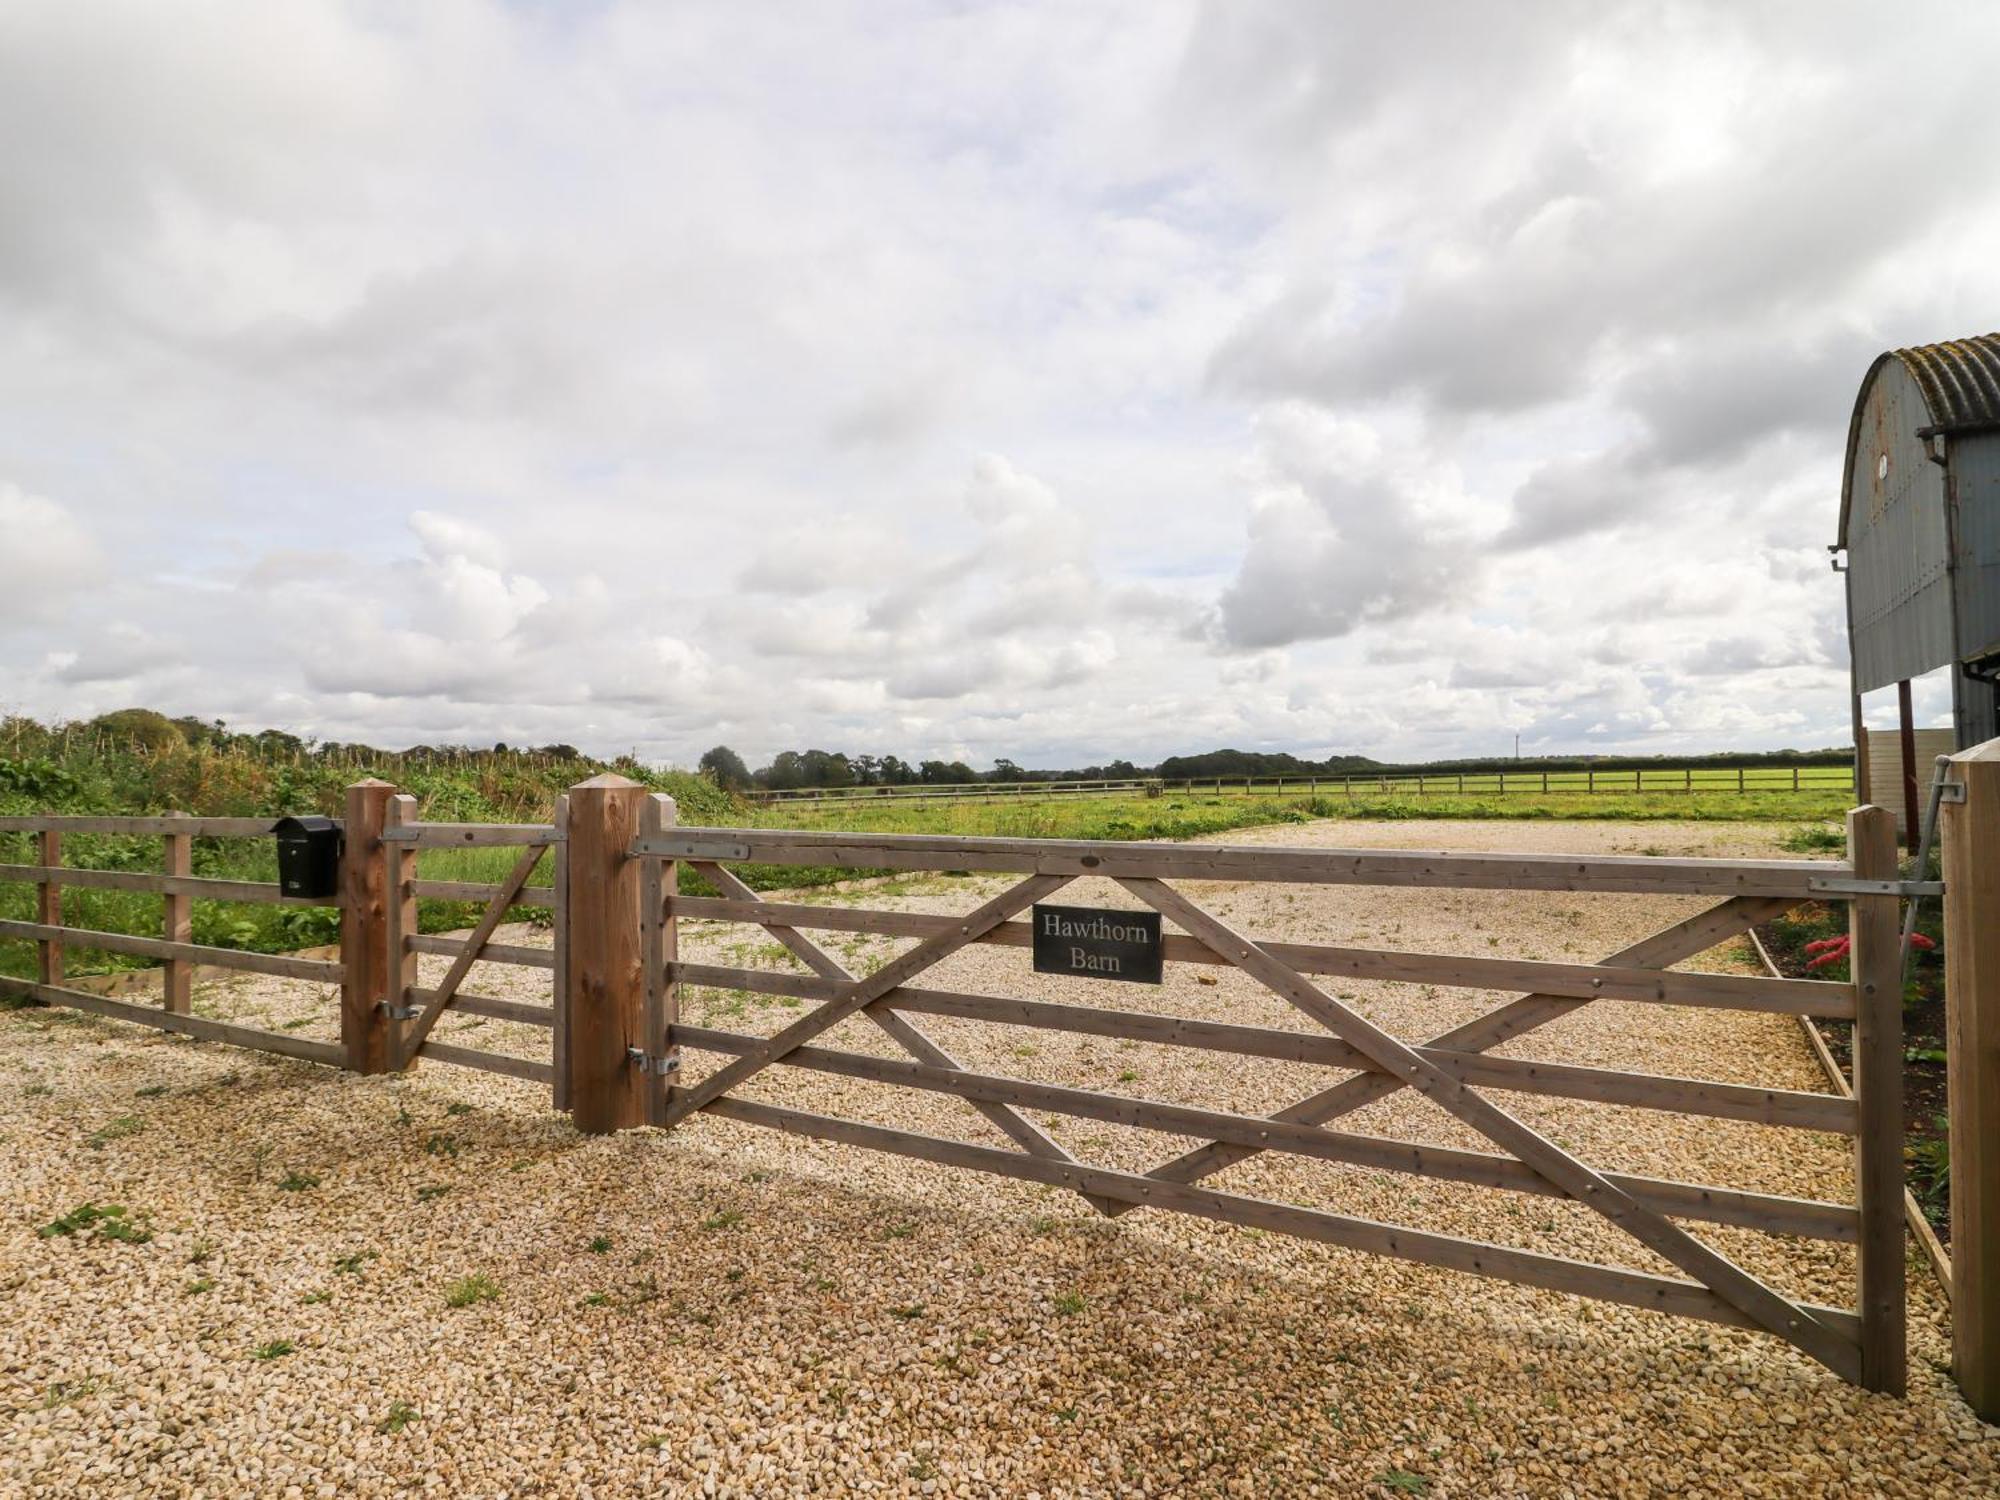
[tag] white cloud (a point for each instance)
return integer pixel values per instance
(1062, 383)
(49, 555)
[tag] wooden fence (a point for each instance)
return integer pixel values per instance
(618, 1043)
(1720, 780)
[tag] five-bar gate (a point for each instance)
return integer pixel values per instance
(622, 1056)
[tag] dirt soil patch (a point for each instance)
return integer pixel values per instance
(320, 1284)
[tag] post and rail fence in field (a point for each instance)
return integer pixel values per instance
(618, 1042)
(1584, 782)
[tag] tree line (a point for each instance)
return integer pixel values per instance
(797, 770)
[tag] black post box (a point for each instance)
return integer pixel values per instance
(308, 856)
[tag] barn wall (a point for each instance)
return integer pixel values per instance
(1898, 547)
(1975, 504)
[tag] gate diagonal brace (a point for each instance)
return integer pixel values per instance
(863, 993)
(1670, 945)
(905, 1032)
(1657, 1233)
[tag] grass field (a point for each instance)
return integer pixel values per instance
(496, 796)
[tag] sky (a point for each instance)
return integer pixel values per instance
(1062, 382)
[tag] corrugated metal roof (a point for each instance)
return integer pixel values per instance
(1960, 379)
(1960, 383)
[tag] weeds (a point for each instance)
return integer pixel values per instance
(468, 1290)
(401, 1415)
(275, 1349)
(114, 1130)
(110, 1222)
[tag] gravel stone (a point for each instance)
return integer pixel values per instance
(776, 1317)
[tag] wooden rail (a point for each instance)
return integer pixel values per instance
(1632, 874)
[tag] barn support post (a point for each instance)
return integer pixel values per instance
(364, 927)
(1906, 729)
(1876, 962)
(1971, 867)
(606, 982)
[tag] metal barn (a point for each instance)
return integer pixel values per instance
(1920, 524)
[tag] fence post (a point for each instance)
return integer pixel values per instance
(606, 988)
(659, 881)
(559, 920)
(364, 928)
(1875, 929)
(1971, 867)
(48, 909)
(177, 923)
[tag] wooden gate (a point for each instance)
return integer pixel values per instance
(1455, 1069)
(413, 1011)
(618, 1040)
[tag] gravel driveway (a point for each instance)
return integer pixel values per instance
(734, 1312)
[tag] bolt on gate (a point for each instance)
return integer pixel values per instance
(618, 1042)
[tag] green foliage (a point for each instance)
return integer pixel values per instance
(1929, 1165)
(114, 1130)
(468, 1290)
(109, 1222)
(298, 1182)
(275, 1349)
(136, 762)
(401, 1415)
(725, 768)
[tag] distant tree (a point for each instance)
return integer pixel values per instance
(823, 768)
(785, 773)
(1005, 770)
(726, 768)
(935, 772)
(140, 726)
(560, 752)
(895, 772)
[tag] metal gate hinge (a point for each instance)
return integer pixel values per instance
(648, 1064)
(399, 1012)
(1840, 886)
(1951, 791)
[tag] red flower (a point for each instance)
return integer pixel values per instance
(1918, 940)
(1831, 951)
(1825, 943)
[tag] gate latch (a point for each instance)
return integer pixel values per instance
(399, 1012)
(1951, 791)
(648, 1064)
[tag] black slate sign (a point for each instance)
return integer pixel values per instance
(1095, 943)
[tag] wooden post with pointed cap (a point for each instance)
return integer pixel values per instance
(606, 991)
(364, 928)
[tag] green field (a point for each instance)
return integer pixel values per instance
(499, 788)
